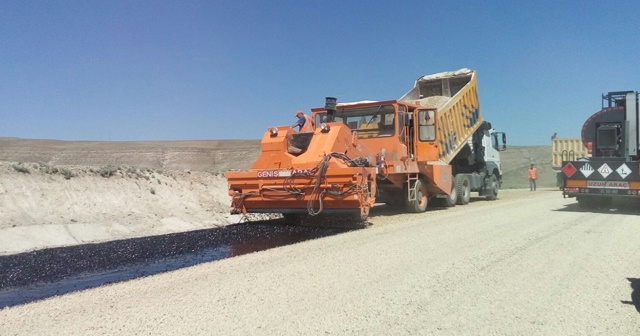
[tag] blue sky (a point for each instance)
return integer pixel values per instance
(191, 70)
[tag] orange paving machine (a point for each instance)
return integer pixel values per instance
(432, 143)
(296, 174)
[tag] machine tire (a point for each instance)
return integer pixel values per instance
(451, 199)
(422, 199)
(493, 188)
(463, 189)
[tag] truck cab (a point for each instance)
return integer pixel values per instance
(407, 138)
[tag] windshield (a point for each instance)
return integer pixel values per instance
(369, 122)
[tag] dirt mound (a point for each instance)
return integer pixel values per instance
(56, 193)
(53, 206)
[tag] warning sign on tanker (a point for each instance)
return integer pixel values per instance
(586, 170)
(623, 171)
(604, 170)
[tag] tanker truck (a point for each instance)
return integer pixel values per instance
(430, 144)
(566, 149)
(611, 136)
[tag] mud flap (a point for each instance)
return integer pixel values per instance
(441, 177)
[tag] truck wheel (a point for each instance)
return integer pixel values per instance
(493, 188)
(420, 203)
(463, 188)
(451, 199)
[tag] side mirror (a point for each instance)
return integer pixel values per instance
(504, 141)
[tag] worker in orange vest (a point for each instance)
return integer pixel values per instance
(533, 176)
(304, 122)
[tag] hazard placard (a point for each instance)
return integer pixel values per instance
(569, 169)
(604, 170)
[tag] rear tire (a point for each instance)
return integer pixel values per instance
(451, 199)
(463, 188)
(421, 201)
(493, 188)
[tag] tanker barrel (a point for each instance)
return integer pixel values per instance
(330, 106)
(605, 130)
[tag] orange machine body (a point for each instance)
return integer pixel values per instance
(311, 172)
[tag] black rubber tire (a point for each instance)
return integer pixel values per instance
(463, 188)
(492, 188)
(451, 199)
(422, 199)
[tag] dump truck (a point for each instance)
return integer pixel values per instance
(612, 137)
(430, 144)
(566, 149)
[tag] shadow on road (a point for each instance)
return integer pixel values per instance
(635, 294)
(619, 206)
(31, 276)
(383, 210)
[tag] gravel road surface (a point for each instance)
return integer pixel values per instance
(527, 264)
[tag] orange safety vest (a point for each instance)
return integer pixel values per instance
(308, 124)
(533, 173)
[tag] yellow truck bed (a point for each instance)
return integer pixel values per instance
(567, 149)
(455, 96)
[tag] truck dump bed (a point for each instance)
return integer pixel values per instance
(567, 149)
(455, 97)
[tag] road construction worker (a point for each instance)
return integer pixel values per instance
(304, 122)
(533, 176)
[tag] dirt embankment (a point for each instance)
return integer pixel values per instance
(202, 155)
(56, 193)
(41, 208)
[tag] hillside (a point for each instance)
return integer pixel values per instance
(201, 155)
(516, 161)
(217, 156)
